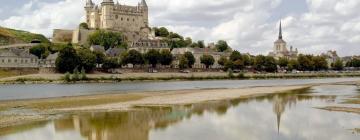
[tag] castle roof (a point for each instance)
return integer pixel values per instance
(143, 3)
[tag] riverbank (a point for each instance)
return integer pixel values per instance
(111, 78)
(26, 111)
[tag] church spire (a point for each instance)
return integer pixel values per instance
(89, 3)
(280, 31)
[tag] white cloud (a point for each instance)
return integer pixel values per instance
(245, 24)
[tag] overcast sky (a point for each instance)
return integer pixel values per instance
(312, 26)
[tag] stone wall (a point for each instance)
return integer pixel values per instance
(62, 36)
(22, 71)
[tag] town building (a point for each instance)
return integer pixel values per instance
(280, 48)
(198, 53)
(145, 45)
(331, 57)
(50, 61)
(97, 48)
(114, 52)
(17, 58)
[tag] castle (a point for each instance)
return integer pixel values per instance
(280, 48)
(111, 16)
(131, 21)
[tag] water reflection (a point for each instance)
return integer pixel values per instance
(233, 119)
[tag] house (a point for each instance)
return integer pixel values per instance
(18, 58)
(97, 48)
(114, 52)
(145, 45)
(50, 61)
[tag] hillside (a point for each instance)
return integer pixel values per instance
(12, 36)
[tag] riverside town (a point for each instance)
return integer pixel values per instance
(179, 70)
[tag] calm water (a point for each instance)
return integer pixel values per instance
(11, 92)
(288, 116)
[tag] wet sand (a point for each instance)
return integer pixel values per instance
(27, 111)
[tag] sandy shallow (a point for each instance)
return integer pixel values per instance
(28, 111)
(43, 109)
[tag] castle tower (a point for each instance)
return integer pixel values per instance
(88, 7)
(144, 8)
(107, 7)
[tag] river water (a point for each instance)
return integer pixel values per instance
(286, 116)
(14, 92)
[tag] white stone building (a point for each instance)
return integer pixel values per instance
(280, 48)
(17, 58)
(145, 45)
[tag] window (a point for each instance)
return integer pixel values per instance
(116, 16)
(127, 19)
(3, 60)
(133, 20)
(15, 60)
(122, 19)
(9, 60)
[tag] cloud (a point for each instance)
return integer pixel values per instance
(246, 24)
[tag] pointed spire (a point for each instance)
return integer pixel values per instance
(280, 31)
(89, 3)
(143, 3)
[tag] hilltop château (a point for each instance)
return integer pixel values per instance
(131, 21)
(280, 48)
(111, 16)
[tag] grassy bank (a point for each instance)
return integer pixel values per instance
(107, 78)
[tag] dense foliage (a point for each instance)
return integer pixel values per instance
(166, 57)
(133, 57)
(68, 60)
(207, 60)
(152, 57)
(107, 39)
(87, 59)
(222, 46)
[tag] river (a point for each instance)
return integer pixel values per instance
(34, 91)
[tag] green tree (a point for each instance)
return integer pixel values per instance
(283, 62)
(133, 57)
(222, 60)
(320, 63)
(201, 44)
(183, 62)
(293, 65)
(188, 41)
(338, 65)
(162, 32)
(270, 64)
(207, 60)
(239, 64)
(166, 57)
(68, 60)
(87, 59)
(106, 38)
(229, 65)
(40, 51)
(222, 46)
(235, 55)
(83, 26)
(259, 63)
(110, 63)
(152, 57)
(190, 58)
(305, 62)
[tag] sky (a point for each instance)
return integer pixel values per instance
(250, 26)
